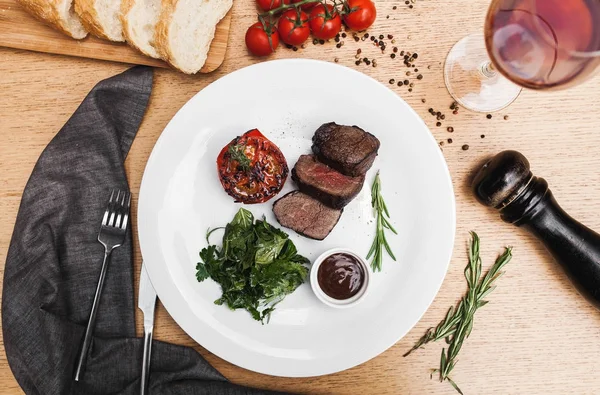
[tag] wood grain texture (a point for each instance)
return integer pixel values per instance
(536, 336)
(20, 30)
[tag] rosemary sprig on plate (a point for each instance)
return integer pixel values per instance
(458, 323)
(238, 154)
(382, 215)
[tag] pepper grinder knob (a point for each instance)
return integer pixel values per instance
(502, 179)
(506, 183)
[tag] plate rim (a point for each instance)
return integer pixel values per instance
(159, 285)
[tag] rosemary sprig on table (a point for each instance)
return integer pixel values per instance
(458, 323)
(381, 212)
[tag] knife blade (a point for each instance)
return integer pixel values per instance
(146, 303)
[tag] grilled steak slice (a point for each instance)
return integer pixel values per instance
(306, 215)
(348, 149)
(325, 184)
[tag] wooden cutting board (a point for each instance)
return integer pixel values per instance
(20, 30)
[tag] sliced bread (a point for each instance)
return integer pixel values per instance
(58, 14)
(139, 19)
(101, 18)
(185, 30)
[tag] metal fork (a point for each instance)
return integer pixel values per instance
(112, 234)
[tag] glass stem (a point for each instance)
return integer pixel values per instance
(487, 70)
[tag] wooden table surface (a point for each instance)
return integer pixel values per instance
(537, 335)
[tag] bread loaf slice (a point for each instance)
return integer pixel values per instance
(139, 19)
(58, 14)
(185, 30)
(101, 18)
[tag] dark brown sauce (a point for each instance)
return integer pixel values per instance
(341, 276)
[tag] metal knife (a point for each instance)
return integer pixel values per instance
(146, 303)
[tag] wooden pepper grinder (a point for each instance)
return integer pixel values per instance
(506, 183)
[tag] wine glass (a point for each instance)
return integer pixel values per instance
(536, 44)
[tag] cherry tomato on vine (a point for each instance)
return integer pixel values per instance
(324, 25)
(267, 5)
(293, 28)
(257, 40)
(306, 6)
(362, 14)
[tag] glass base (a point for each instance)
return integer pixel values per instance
(471, 79)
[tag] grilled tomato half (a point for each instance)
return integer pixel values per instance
(251, 168)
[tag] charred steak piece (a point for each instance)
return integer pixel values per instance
(306, 215)
(348, 149)
(324, 183)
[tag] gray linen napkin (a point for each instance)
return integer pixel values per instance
(54, 262)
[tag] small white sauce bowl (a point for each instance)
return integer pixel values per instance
(328, 300)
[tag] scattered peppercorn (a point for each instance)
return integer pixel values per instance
(392, 81)
(506, 117)
(423, 101)
(455, 112)
(338, 45)
(357, 62)
(387, 17)
(392, 55)
(344, 35)
(400, 83)
(489, 116)
(450, 129)
(389, 36)
(410, 89)
(336, 60)
(366, 35)
(337, 39)
(420, 77)
(410, 6)
(411, 84)
(431, 110)
(372, 38)
(438, 124)
(465, 147)
(449, 141)
(394, 7)
(415, 55)
(406, 82)
(483, 136)
(315, 41)
(295, 48)
(402, 54)
(321, 42)
(408, 73)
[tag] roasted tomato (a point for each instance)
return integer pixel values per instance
(251, 168)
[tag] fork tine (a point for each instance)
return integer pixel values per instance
(111, 220)
(105, 218)
(126, 216)
(121, 210)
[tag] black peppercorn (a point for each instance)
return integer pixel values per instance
(406, 82)
(357, 62)
(449, 141)
(321, 42)
(438, 124)
(465, 147)
(489, 116)
(344, 35)
(393, 55)
(483, 136)
(420, 77)
(392, 81)
(400, 83)
(450, 129)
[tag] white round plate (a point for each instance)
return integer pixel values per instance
(287, 100)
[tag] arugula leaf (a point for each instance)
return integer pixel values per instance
(257, 267)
